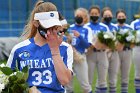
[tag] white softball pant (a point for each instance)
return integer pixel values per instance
(81, 71)
(113, 71)
(125, 64)
(99, 60)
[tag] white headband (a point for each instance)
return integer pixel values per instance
(48, 19)
(46, 15)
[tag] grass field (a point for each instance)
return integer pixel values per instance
(131, 89)
(77, 88)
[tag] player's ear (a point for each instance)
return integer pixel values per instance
(35, 23)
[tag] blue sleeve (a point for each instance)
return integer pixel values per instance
(65, 38)
(83, 42)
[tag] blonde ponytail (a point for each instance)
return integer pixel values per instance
(30, 30)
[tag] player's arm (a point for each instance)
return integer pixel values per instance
(83, 41)
(63, 73)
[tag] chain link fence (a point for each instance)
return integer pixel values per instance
(14, 13)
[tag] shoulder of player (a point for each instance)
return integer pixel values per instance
(127, 25)
(86, 27)
(102, 24)
(114, 25)
(135, 21)
(21, 44)
(65, 44)
(72, 25)
(87, 24)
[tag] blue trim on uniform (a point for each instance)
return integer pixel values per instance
(111, 26)
(137, 90)
(90, 92)
(137, 85)
(97, 27)
(126, 26)
(84, 42)
(137, 80)
(124, 84)
(101, 90)
(112, 89)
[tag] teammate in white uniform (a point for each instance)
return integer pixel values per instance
(125, 54)
(136, 56)
(97, 57)
(81, 41)
(114, 57)
(49, 59)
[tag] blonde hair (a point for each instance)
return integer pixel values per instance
(103, 11)
(85, 11)
(30, 30)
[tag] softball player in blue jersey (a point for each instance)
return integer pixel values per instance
(136, 26)
(125, 54)
(82, 41)
(114, 57)
(98, 58)
(50, 64)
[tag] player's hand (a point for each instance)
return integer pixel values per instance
(53, 39)
(119, 46)
(98, 45)
(132, 45)
(76, 33)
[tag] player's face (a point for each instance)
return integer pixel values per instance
(121, 15)
(80, 14)
(94, 12)
(107, 13)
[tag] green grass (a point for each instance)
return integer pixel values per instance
(131, 89)
(3, 61)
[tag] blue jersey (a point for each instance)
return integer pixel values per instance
(65, 38)
(41, 67)
(124, 27)
(136, 24)
(85, 38)
(97, 27)
(112, 27)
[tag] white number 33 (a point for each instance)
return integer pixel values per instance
(38, 77)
